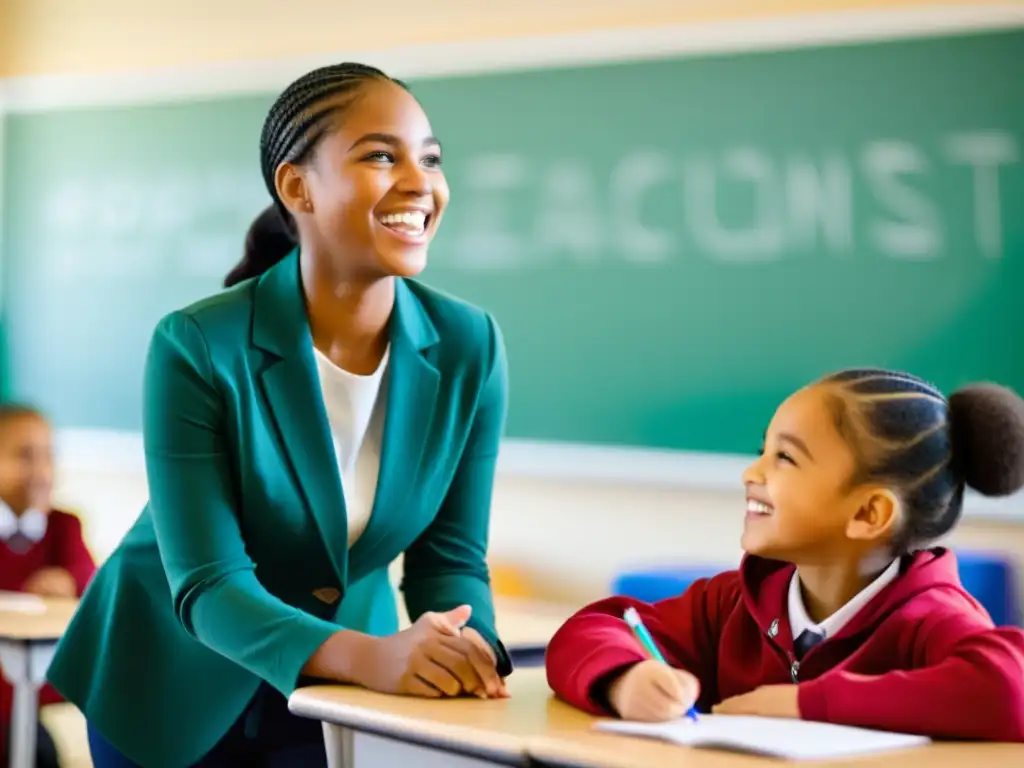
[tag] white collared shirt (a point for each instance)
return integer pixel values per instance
(31, 524)
(355, 409)
(800, 621)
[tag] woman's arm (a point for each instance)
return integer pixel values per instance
(446, 566)
(216, 594)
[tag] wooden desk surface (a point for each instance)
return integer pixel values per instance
(501, 727)
(27, 617)
(533, 722)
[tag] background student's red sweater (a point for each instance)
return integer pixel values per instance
(922, 657)
(62, 546)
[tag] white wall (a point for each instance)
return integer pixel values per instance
(49, 36)
(569, 536)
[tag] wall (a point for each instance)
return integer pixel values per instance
(48, 36)
(570, 535)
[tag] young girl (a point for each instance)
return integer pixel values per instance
(42, 550)
(838, 612)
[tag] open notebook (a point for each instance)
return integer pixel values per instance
(773, 737)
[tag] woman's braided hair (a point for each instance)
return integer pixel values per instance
(296, 122)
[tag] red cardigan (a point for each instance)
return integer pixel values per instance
(922, 657)
(62, 546)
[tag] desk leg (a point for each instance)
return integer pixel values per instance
(340, 745)
(24, 665)
(24, 724)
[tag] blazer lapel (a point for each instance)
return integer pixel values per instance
(413, 383)
(291, 385)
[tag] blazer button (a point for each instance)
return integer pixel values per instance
(327, 595)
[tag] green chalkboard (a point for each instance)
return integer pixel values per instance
(670, 247)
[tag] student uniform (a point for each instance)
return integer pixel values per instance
(28, 543)
(281, 490)
(913, 653)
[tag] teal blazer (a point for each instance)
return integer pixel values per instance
(238, 568)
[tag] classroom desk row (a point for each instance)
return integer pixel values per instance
(29, 630)
(364, 729)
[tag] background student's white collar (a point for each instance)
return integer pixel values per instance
(799, 620)
(31, 524)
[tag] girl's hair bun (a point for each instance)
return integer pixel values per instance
(987, 431)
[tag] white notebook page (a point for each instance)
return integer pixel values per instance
(775, 737)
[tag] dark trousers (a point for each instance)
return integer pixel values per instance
(266, 735)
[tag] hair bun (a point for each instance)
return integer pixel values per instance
(987, 428)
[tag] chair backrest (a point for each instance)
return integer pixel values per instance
(659, 582)
(991, 578)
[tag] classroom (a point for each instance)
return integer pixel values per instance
(677, 214)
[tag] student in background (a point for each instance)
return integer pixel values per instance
(838, 612)
(42, 550)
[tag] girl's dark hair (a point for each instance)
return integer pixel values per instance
(9, 411)
(300, 117)
(928, 448)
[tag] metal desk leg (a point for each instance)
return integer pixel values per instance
(340, 744)
(24, 724)
(24, 665)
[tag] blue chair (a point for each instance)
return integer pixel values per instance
(658, 582)
(992, 580)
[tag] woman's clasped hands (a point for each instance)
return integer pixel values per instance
(438, 656)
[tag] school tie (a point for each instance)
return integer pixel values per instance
(805, 641)
(19, 543)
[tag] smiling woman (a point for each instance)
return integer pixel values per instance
(303, 428)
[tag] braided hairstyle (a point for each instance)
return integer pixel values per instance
(928, 448)
(298, 119)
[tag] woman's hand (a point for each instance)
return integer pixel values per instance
(486, 664)
(434, 657)
(653, 692)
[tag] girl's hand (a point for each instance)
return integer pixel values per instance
(51, 582)
(766, 701)
(653, 692)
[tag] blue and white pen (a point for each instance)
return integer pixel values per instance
(643, 635)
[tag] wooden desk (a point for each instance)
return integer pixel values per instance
(532, 728)
(29, 630)
(370, 729)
